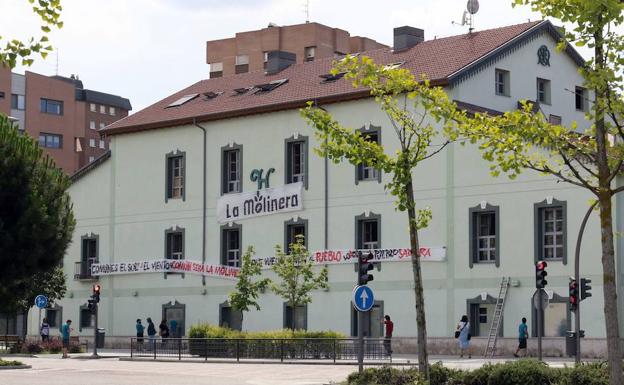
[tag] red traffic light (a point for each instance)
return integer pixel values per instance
(541, 265)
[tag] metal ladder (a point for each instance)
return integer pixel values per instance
(490, 349)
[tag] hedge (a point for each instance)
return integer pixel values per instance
(10, 363)
(521, 372)
(212, 331)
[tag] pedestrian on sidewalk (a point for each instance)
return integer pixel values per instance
(164, 331)
(173, 326)
(44, 330)
(65, 334)
(139, 331)
(523, 334)
(462, 333)
(151, 333)
(388, 339)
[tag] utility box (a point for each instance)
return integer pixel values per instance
(99, 338)
(571, 343)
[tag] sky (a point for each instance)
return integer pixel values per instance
(147, 49)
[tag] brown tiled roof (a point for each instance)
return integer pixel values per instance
(440, 59)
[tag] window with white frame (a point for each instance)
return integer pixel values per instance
(102, 144)
(92, 124)
(368, 231)
(231, 169)
(366, 172)
(92, 143)
(580, 98)
(296, 160)
(550, 231)
(484, 234)
(102, 109)
(231, 245)
(92, 107)
(543, 91)
(111, 111)
(174, 243)
(176, 175)
(102, 125)
(502, 82)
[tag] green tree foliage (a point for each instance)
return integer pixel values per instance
(49, 11)
(416, 111)
(245, 295)
(590, 159)
(296, 276)
(21, 296)
(36, 219)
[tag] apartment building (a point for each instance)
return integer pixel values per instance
(61, 114)
(249, 51)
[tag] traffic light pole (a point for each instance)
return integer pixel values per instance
(95, 332)
(540, 323)
(360, 321)
(577, 277)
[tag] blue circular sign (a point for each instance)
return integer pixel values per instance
(41, 301)
(363, 298)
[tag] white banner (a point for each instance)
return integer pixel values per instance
(321, 257)
(233, 207)
(164, 266)
(333, 257)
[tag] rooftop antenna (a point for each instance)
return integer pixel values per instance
(472, 7)
(306, 9)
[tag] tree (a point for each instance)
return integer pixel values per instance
(36, 219)
(49, 11)
(297, 278)
(416, 130)
(592, 160)
(245, 296)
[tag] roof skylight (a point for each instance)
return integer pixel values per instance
(328, 78)
(268, 87)
(182, 100)
(211, 95)
(392, 66)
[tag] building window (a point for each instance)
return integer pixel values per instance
(231, 245)
(102, 109)
(92, 124)
(53, 107)
(91, 159)
(50, 140)
(102, 125)
(363, 171)
(92, 107)
(299, 320)
(92, 143)
(86, 318)
(111, 111)
(242, 64)
(580, 98)
(550, 230)
(292, 229)
(54, 316)
(216, 70)
(502, 79)
(102, 144)
(265, 63)
(484, 234)
(543, 91)
(18, 102)
(368, 231)
(297, 160)
(174, 243)
(1, 94)
(231, 169)
(88, 256)
(309, 53)
(176, 175)
(230, 318)
(554, 119)
(483, 315)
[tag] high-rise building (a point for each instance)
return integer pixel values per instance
(61, 114)
(249, 51)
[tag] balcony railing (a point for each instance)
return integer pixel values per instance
(82, 269)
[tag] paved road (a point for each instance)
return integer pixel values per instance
(54, 371)
(51, 370)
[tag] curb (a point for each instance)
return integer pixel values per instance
(15, 367)
(330, 363)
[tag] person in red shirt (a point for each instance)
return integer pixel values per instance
(388, 339)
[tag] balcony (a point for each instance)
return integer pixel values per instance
(82, 270)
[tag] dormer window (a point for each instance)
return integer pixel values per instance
(309, 53)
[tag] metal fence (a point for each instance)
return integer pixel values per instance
(277, 349)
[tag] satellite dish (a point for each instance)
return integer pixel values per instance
(472, 6)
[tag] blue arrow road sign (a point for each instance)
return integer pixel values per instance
(41, 301)
(363, 298)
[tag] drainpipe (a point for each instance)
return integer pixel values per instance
(326, 192)
(203, 201)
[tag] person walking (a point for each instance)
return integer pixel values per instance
(523, 334)
(462, 333)
(173, 325)
(163, 331)
(44, 330)
(66, 330)
(151, 333)
(388, 336)
(139, 331)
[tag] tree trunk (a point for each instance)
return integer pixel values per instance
(293, 314)
(421, 324)
(609, 290)
(614, 356)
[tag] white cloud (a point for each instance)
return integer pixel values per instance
(148, 49)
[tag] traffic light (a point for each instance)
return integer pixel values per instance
(364, 266)
(585, 288)
(573, 296)
(96, 293)
(91, 305)
(540, 274)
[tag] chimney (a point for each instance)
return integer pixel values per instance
(406, 37)
(279, 60)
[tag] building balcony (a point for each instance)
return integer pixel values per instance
(82, 270)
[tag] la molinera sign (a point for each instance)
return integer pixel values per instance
(267, 201)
